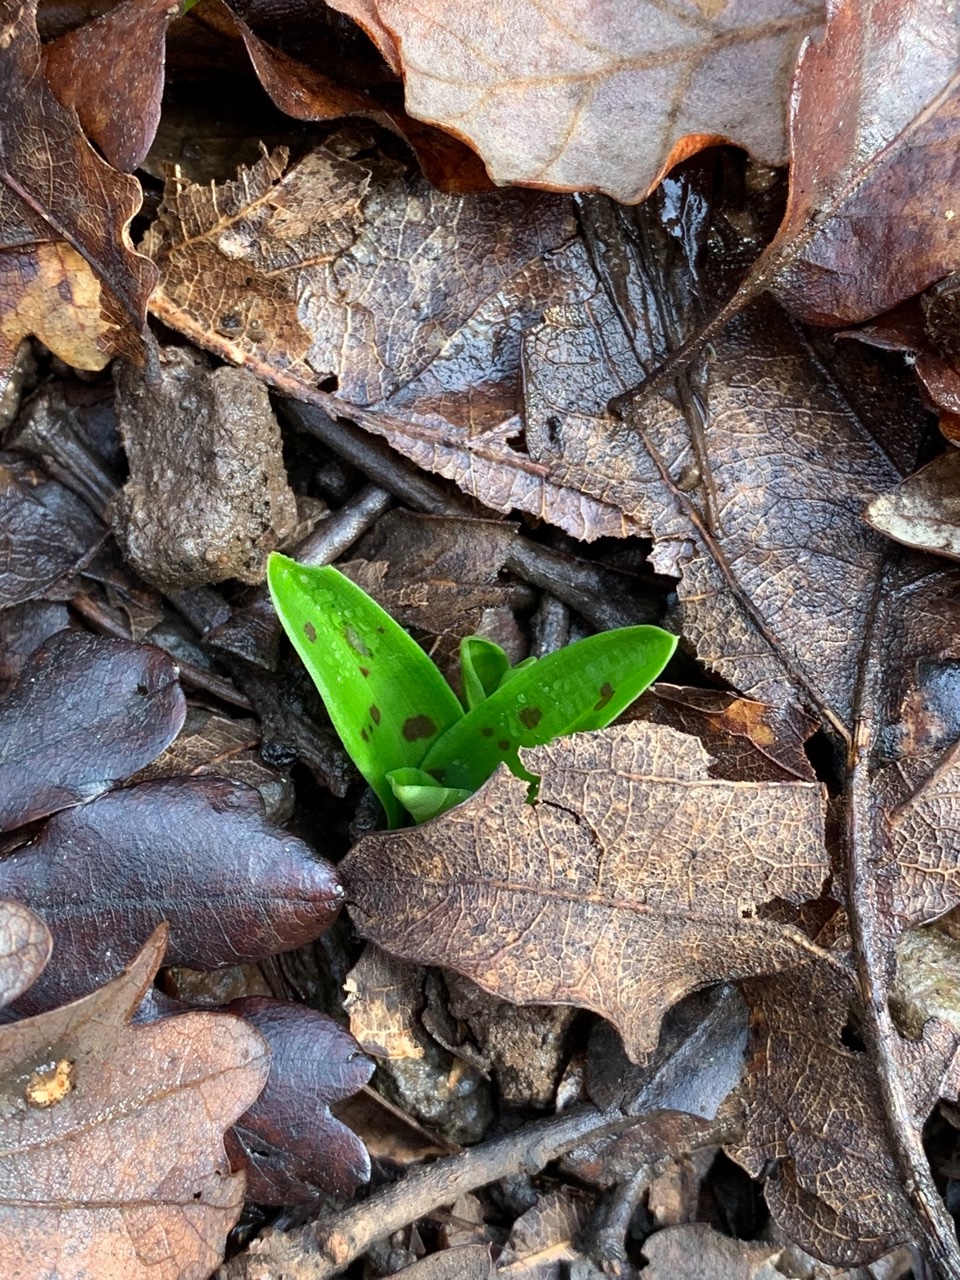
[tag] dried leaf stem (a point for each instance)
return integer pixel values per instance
(872, 949)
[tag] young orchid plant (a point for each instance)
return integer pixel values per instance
(420, 747)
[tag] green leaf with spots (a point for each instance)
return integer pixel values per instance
(422, 796)
(388, 702)
(584, 686)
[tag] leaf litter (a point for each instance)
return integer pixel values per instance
(498, 339)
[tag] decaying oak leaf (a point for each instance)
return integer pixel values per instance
(875, 125)
(113, 1162)
(111, 71)
(347, 272)
(924, 511)
(542, 1239)
(86, 712)
(596, 98)
(68, 273)
(294, 1148)
(633, 880)
(196, 852)
(811, 1100)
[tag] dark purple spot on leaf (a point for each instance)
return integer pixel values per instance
(364, 671)
(503, 744)
(364, 735)
(418, 727)
(606, 693)
(310, 631)
(380, 629)
(487, 731)
(375, 714)
(530, 717)
(438, 775)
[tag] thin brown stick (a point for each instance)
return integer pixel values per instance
(872, 949)
(325, 1248)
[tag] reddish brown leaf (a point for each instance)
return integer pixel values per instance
(113, 1162)
(614, 891)
(45, 530)
(875, 127)
(596, 98)
(110, 71)
(295, 1149)
(195, 851)
(68, 273)
(85, 714)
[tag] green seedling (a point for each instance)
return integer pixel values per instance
(402, 724)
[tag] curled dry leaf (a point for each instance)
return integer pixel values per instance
(924, 511)
(197, 852)
(294, 1147)
(85, 713)
(111, 71)
(875, 123)
(595, 98)
(635, 879)
(113, 1161)
(68, 274)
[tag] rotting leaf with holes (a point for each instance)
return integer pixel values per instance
(85, 713)
(596, 98)
(68, 273)
(104, 874)
(113, 1160)
(615, 891)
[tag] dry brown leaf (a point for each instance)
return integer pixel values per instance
(616, 891)
(811, 1100)
(542, 1239)
(924, 511)
(695, 1251)
(113, 1161)
(875, 125)
(348, 274)
(68, 274)
(578, 97)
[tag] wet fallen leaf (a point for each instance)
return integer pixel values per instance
(541, 1240)
(811, 1099)
(695, 1251)
(595, 99)
(470, 1262)
(414, 321)
(68, 274)
(874, 126)
(194, 851)
(295, 1149)
(924, 511)
(45, 531)
(111, 71)
(113, 1161)
(641, 907)
(85, 713)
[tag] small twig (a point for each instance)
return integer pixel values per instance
(205, 681)
(325, 1248)
(872, 949)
